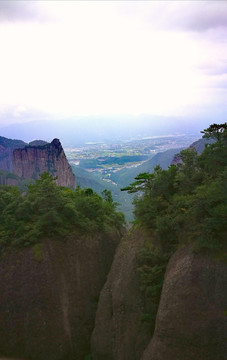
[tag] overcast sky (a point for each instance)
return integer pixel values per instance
(72, 58)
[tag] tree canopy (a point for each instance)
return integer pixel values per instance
(214, 131)
(49, 211)
(187, 202)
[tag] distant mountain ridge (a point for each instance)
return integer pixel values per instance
(29, 161)
(198, 145)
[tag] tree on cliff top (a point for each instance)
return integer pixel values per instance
(214, 131)
(187, 202)
(50, 211)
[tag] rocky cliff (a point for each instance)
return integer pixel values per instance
(49, 295)
(198, 145)
(31, 161)
(119, 332)
(54, 294)
(191, 321)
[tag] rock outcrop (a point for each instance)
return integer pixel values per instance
(119, 332)
(191, 320)
(49, 294)
(32, 161)
(29, 161)
(198, 145)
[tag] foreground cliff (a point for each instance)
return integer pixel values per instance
(191, 321)
(119, 331)
(31, 161)
(49, 295)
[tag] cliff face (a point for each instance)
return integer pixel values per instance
(31, 161)
(198, 145)
(52, 297)
(119, 333)
(191, 320)
(49, 295)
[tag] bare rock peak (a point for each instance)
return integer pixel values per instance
(31, 160)
(56, 142)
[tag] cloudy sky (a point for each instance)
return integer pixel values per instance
(72, 58)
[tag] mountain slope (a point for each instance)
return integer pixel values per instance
(126, 176)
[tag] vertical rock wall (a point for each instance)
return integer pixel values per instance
(49, 296)
(32, 161)
(191, 321)
(119, 332)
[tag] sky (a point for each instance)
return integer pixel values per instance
(63, 59)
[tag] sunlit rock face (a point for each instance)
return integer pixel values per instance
(191, 320)
(32, 161)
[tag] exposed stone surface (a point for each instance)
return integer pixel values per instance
(119, 333)
(32, 161)
(191, 320)
(49, 296)
(198, 145)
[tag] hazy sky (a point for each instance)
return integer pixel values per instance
(72, 58)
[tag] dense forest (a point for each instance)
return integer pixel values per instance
(46, 210)
(185, 204)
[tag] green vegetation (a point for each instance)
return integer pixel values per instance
(121, 178)
(95, 181)
(11, 143)
(107, 161)
(151, 267)
(49, 211)
(185, 204)
(8, 178)
(37, 250)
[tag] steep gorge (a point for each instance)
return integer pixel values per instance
(82, 299)
(53, 296)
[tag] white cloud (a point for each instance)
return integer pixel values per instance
(98, 58)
